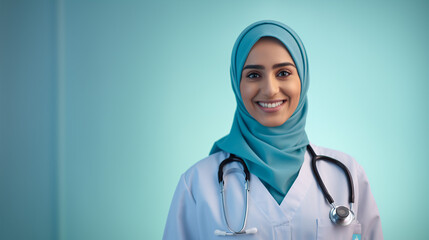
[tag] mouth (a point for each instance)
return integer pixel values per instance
(270, 106)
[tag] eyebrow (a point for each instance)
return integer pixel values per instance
(274, 66)
(283, 65)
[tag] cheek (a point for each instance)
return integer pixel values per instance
(247, 92)
(294, 90)
(297, 92)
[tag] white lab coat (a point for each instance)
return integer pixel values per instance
(196, 208)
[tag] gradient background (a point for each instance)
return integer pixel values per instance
(103, 104)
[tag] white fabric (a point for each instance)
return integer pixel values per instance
(196, 208)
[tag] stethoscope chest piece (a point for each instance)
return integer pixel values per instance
(341, 215)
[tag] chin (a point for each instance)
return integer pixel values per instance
(272, 123)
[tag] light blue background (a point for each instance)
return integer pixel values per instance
(103, 104)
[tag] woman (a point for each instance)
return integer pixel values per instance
(269, 74)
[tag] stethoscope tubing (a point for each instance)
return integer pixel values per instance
(233, 158)
(319, 180)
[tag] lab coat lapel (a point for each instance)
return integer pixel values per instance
(263, 201)
(293, 199)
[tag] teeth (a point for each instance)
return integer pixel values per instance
(270, 105)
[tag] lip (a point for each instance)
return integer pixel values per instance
(271, 110)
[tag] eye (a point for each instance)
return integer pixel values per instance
(253, 75)
(283, 74)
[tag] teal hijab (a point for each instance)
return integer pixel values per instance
(274, 154)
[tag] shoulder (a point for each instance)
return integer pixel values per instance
(204, 172)
(206, 163)
(357, 171)
(345, 158)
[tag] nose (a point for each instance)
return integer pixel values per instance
(270, 87)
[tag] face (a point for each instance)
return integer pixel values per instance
(270, 86)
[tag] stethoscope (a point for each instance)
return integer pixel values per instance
(339, 215)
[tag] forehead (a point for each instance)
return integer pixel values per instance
(267, 50)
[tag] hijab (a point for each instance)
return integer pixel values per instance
(274, 154)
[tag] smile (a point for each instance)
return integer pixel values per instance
(271, 104)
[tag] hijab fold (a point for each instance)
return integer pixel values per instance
(274, 154)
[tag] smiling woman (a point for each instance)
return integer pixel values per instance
(262, 181)
(270, 86)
